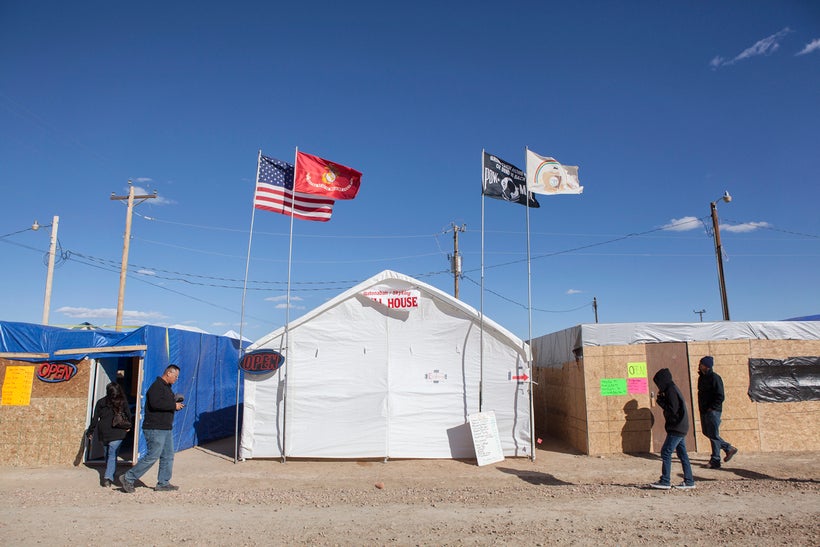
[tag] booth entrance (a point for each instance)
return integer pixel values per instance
(126, 371)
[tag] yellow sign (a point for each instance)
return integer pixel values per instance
(636, 370)
(17, 386)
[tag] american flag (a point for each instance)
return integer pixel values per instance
(274, 192)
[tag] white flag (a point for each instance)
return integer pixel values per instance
(547, 176)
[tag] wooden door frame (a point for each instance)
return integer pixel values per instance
(675, 357)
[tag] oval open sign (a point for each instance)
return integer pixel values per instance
(262, 361)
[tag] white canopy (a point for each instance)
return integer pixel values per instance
(390, 368)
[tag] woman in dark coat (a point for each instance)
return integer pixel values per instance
(113, 404)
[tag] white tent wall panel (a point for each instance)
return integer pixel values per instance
(337, 384)
(262, 414)
(507, 398)
(424, 404)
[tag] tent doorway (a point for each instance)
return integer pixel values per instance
(127, 372)
(674, 356)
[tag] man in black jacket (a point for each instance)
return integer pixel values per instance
(676, 423)
(160, 406)
(710, 405)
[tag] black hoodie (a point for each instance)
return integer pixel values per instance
(671, 401)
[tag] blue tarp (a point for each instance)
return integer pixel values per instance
(208, 369)
(30, 338)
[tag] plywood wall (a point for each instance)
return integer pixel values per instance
(559, 403)
(48, 430)
(569, 404)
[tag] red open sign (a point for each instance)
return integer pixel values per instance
(262, 361)
(56, 372)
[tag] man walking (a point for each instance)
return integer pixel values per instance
(710, 404)
(676, 424)
(160, 406)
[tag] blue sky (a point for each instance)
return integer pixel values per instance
(663, 105)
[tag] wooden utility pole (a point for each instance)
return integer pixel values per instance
(455, 259)
(126, 244)
(595, 307)
(52, 251)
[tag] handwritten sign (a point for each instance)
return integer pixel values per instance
(17, 386)
(636, 370)
(637, 385)
(486, 440)
(613, 386)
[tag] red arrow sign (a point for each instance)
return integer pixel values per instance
(522, 378)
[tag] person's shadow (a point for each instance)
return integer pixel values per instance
(636, 434)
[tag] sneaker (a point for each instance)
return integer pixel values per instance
(660, 486)
(730, 454)
(127, 486)
(166, 488)
(105, 483)
(684, 486)
(713, 464)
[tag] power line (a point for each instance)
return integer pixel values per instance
(510, 300)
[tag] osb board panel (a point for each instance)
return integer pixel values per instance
(789, 426)
(49, 430)
(599, 444)
(782, 349)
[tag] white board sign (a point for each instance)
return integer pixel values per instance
(486, 440)
(394, 298)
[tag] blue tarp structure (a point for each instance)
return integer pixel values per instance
(208, 368)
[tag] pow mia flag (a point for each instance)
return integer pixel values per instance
(502, 180)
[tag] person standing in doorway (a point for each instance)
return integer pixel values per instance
(111, 432)
(160, 406)
(676, 424)
(710, 405)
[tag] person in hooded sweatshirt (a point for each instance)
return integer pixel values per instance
(676, 423)
(710, 404)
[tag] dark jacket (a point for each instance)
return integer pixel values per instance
(710, 392)
(160, 406)
(101, 421)
(670, 399)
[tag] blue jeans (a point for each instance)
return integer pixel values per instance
(673, 443)
(710, 421)
(111, 451)
(160, 447)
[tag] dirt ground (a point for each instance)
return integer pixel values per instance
(562, 498)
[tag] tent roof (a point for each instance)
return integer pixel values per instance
(388, 276)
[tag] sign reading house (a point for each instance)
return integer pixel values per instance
(396, 299)
(262, 361)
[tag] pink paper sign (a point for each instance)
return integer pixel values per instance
(637, 385)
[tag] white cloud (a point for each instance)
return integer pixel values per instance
(146, 272)
(142, 179)
(574, 291)
(745, 227)
(283, 298)
(717, 61)
(682, 224)
(284, 306)
(766, 46)
(110, 313)
(814, 45)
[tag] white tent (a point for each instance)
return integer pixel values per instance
(390, 368)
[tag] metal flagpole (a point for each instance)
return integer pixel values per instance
(529, 314)
(242, 312)
(481, 312)
(287, 316)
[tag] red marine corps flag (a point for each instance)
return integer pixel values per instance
(321, 177)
